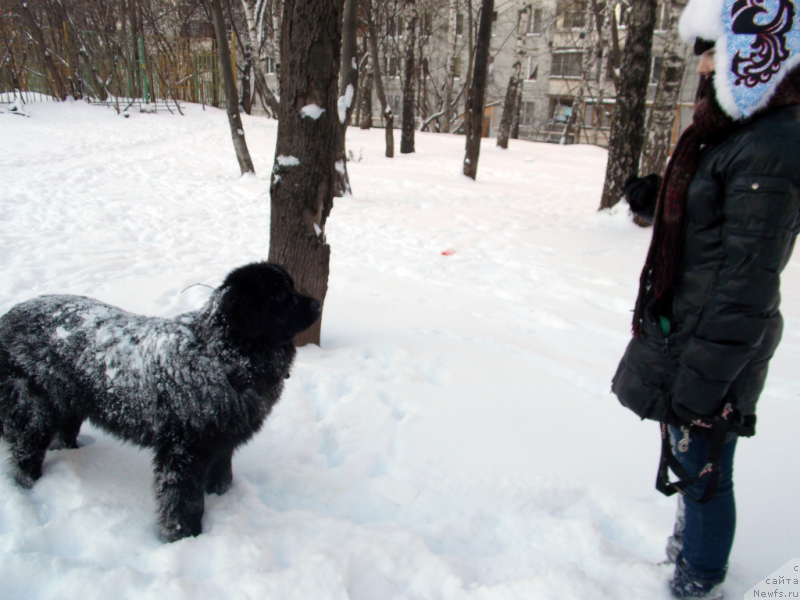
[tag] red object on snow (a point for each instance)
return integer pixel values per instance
(448, 252)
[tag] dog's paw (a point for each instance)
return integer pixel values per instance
(172, 532)
(219, 486)
(60, 444)
(24, 480)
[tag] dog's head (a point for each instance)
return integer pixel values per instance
(259, 302)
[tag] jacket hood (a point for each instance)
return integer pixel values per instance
(757, 45)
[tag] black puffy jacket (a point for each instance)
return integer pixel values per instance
(741, 219)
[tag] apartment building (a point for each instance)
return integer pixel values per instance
(555, 37)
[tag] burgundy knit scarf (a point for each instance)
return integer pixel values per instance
(710, 125)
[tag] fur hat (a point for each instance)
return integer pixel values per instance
(757, 44)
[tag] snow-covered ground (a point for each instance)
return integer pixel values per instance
(453, 437)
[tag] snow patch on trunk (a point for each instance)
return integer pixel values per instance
(312, 111)
(345, 101)
(287, 161)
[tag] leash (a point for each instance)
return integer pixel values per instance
(716, 430)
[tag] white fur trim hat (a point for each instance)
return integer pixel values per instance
(757, 44)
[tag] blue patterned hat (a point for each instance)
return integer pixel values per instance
(757, 45)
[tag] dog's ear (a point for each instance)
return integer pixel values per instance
(243, 311)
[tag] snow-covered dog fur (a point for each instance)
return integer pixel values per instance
(191, 388)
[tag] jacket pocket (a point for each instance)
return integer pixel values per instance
(643, 380)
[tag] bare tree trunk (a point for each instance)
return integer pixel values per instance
(470, 55)
(365, 108)
(47, 54)
(134, 23)
(74, 82)
(604, 17)
(303, 178)
(277, 33)
(599, 114)
(514, 82)
(422, 80)
(407, 132)
(247, 99)
(517, 115)
(614, 60)
(348, 86)
(589, 48)
(627, 123)
(665, 105)
(473, 119)
(451, 67)
(386, 110)
(231, 93)
(259, 65)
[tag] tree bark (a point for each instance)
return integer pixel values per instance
(407, 132)
(470, 55)
(386, 110)
(665, 105)
(231, 93)
(473, 119)
(348, 87)
(268, 98)
(277, 33)
(514, 82)
(134, 23)
(247, 98)
(365, 108)
(517, 115)
(451, 67)
(627, 123)
(302, 187)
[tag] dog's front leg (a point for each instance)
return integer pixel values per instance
(220, 472)
(67, 434)
(179, 491)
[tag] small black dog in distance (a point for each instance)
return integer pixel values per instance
(192, 388)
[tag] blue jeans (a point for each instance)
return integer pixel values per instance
(703, 534)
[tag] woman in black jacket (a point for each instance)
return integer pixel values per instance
(706, 321)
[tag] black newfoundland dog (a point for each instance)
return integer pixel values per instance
(192, 388)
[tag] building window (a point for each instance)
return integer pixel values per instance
(566, 64)
(392, 66)
(459, 24)
(424, 66)
(655, 73)
(395, 27)
(527, 114)
(535, 21)
(425, 25)
(533, 69)
(560, 109)
(457, 67)
(269, 66)
(597, 115)
(494, 22)
(662, 16)
(396, 102)
(570, 13)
